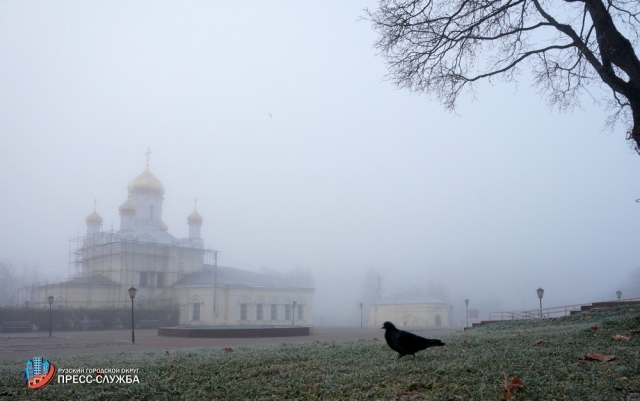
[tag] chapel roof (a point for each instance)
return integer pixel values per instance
(230, 276)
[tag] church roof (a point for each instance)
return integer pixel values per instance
(96, 280)
(146, 183)
(229, 276)
(127, 207)
(194, 217)
(408, 299)
(94, 217)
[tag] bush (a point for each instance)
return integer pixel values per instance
(65, 318)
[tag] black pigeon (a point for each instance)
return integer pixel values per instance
(405, 343)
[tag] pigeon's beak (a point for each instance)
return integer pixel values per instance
(382, 327)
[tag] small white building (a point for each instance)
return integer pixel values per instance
(410, 311)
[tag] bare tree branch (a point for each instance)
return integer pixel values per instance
(443, 47)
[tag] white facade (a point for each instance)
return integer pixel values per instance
(167, 269)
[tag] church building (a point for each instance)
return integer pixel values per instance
(163, 268)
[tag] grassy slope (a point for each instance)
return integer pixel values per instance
(470, 367)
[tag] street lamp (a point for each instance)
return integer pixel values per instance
(293, 320)
(466, 303)
(132, 294)
(26, 304)
(619, 294)
(540, 292)
(360, 314)
(50, 299)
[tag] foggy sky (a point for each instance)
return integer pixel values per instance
(348, 175)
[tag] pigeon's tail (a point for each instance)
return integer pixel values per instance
(433, 343)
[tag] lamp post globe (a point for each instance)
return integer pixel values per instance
(132, 294)
(619, 294)
(50, 300)
(540, 292)
(466, 304)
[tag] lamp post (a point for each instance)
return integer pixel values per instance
(50, 299)
(619, 294)
(540, 292)
(466, 304)
(293, 316)
(360, 314)
(26, 304)
(132, 294)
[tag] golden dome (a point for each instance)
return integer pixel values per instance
(164, 228)
(146, 183)
(127, 207)
(94, 218)
(194, 217)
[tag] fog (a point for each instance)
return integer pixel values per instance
(277, 117)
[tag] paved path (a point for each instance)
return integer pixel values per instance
(26, 345)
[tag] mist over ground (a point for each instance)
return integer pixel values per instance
(276, 116)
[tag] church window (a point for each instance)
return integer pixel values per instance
(144, 279)
(160, 280)
(300, 311)
(259, 310)
(287, 312)
(274, 312)
(243, 311)
(196, 312)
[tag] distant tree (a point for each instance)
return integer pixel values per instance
(631, 286)
(10, 284)
(442, 47)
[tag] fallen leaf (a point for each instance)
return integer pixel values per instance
(229, 349)
(593, 328)
(513, 385)
(516, 383)
(599, 357)
(166, 352)
(170, 379)
(618, 337)
(539, 342)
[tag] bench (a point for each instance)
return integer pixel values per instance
(147, 324)
(17, 325)
(90, 325)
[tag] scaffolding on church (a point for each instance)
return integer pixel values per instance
(105, 265)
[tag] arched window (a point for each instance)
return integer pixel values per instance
(287, 309)
(273, 303)
(195, 308)
(244, 308)
(260, 309)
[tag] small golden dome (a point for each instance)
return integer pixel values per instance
(127, 207)
(146, 183)
(164, 228)
(194, 217)
(94, 218)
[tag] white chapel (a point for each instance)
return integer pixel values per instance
(163, 268)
